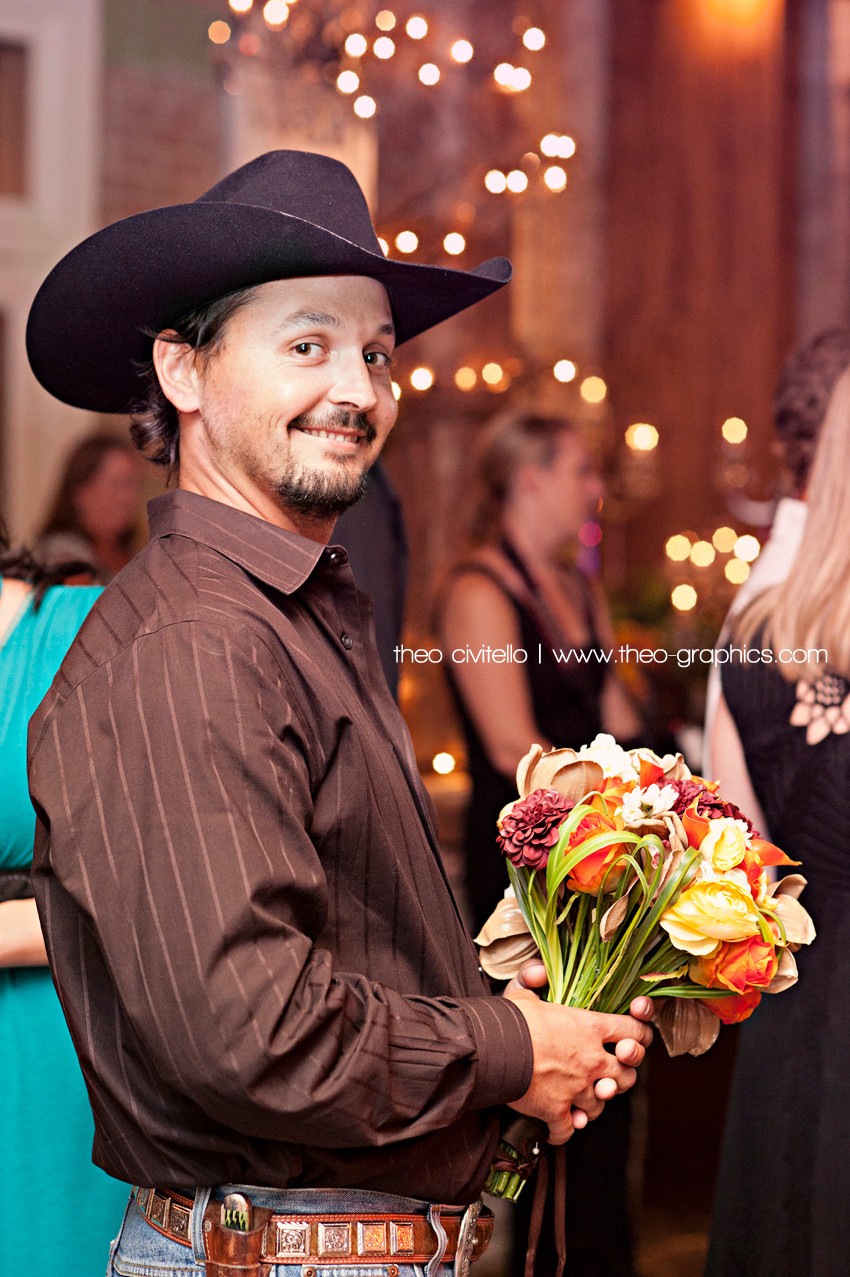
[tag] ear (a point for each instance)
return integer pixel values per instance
(176, 371)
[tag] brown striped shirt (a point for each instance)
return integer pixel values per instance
(249, 924)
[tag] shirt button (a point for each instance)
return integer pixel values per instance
(333, 556)
(347, 641)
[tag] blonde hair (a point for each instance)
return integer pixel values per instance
(811, 609)
(507, 444)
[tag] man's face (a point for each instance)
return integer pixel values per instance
(296, 402)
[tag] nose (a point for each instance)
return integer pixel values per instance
(353, 386)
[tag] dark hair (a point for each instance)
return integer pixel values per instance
(20, 564)
(81, 464)
(506, 445)
(802, 397)
(154, 423)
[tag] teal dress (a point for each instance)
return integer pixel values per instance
(45, 1121)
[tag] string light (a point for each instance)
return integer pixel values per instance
(747, 548)
(517, 181)
(642, 437)
(356, 45)
(734, 430)
(534, 39)
(383, 47)
(422, 378)
(737, 571)
(702, 554)
(557, 146)
(462, 51)
(565, 370)
(429, 73)
(241, 6)
(593, 390)
(555, 177)
(407, 241)
(678, 548)
(218, 32)
(443, 763)
(348, 81)
(466, 378)
(454, 243)
(365, 107)
(724, 540)
(276, 12)
(416, 28)
(496, 182)
(492, 373)
(684, 598)
(385, 20)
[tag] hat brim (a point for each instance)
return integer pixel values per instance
(85, 335)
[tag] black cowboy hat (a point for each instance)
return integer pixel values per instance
(284, 215)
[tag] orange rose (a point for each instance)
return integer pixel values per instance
(739, 965)
(734, 1010)
(590, 872)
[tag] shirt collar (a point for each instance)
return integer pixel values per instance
(282, 559)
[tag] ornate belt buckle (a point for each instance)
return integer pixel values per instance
(466, 1239)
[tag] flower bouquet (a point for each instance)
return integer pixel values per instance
(629, 875)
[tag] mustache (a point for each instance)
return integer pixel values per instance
(338, 419)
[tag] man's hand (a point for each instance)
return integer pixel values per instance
(573, 1073)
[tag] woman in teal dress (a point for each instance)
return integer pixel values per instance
(45, 1122)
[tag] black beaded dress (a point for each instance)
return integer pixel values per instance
(782, 1206)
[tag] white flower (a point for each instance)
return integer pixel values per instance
(643, 804)
(613, 760)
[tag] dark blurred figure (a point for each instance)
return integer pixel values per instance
(95, 514)
(372, 531)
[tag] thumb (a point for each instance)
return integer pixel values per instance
(531, 975)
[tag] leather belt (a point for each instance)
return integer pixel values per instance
(352, 1239)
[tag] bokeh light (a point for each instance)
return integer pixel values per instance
(462, 51)
(534, 39)
(348, 81)
(703, 554)
(737, 571)
(429, 73)
(218, 32)
(416, 27)
(565, 370)
(642, 437)
(684, 598)
(422, 378)
(734, 430)
(356, 45)
(383, 47)
(593, 390)
(747, 548)
(454, 243)
(555, 177)
(365, 107)
(443, 763)
(724, 539)
(678, 547)
(466, 378)
(407, 241)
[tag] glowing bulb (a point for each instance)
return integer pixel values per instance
(348, 81)
(549, 145)
(702, 554)
(724, 540)
(416, 28)
(504, 74)
(492, 374)
(684, 598)
(737, 571)
(593, 390)
(385, 20)
(520, 80)
(678, 548)
(275, 12)
(454, 243)
(534, 39)
(422, 378)
(496, 182)
(365, 107)
(429, 73)
(642, 437)
(356, 45)
(566, 147)
(383, 47)
(517, 181)
(466, 378)
(443, 764)
(407, 241)
(555, 177)
(396, 391)
(734, 430)
(241, 6)
(218, 32)
(747, 548)
(565, 370)
(462, 51)
(385, 248)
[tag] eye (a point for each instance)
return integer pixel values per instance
(378, 358)
(306, 348)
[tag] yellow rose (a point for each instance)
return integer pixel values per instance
(725, 844)
(707, 913)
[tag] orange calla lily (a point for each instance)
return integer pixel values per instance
(650, 773)
(696, 826)
(769, 854)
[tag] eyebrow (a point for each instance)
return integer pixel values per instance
(324, 319)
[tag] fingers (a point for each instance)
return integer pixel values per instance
(629, 1052)
(622, 1027)
(642, 1008)
(606, 1088)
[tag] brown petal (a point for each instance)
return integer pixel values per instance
(575, 777)
(652, 825)
(527, 765)
(799, 928)
(505, 920)
(675, 767)
(503, 958)
(686, 1025)
(786, 974)
(789, 885)
(676, 835)
(612, 917)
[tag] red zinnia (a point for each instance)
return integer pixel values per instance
(530, 829)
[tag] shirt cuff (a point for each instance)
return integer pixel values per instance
(505, 1054)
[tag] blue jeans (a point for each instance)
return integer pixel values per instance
(140, 1251)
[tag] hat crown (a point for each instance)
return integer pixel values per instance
(301, 184)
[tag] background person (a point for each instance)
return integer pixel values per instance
(45, 1118)
(95, 514)
(782, 732)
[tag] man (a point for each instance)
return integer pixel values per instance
(256, 948)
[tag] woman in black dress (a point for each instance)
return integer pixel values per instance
(783, 734)
(518, 589)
